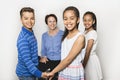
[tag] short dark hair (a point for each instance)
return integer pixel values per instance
(50, 15)
(26, 9)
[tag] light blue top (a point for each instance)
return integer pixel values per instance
(51, 45)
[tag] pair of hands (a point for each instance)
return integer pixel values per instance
(47, 75)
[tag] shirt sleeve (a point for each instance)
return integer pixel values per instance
(26, 56)
(43, 49)
(92, 35)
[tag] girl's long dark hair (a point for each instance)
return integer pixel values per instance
(93, 17)
(76, 12)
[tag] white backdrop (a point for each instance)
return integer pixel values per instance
(108, 17)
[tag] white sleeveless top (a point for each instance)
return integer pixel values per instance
(67, 46)
(75, 70)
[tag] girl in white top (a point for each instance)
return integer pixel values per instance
(72, 44)
(91, 62)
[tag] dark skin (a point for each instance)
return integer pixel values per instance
(88, 50)
(88, 22)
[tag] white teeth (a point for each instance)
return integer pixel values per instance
(87, 25)
(69, 25)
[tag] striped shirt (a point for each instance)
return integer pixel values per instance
(27, 54)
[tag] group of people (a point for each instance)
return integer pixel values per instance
(65, 55)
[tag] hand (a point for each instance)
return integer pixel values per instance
(44, 59)
(50, 75)
(44, 75)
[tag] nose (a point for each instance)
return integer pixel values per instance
(68, 21)
(30, 20)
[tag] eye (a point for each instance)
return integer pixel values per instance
(49, 21)
(84, 20)
(64, 18)
(54, 21)
(33, 18)
(25, 18)
(72, 18)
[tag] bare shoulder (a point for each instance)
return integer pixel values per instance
(80, 40)
(81, 37)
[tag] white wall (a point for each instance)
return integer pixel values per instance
(108, 16)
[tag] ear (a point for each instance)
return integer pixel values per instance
(78, 21)
(94, 22)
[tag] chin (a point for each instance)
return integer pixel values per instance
(69, 28)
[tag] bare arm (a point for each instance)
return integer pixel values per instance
(76, 49)
(88, 50)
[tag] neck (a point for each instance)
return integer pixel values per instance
(87, 30)
(30, 29)
(53, 32)
(72, 33)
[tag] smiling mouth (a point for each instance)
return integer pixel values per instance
(69, 25)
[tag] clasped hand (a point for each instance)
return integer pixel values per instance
(47, 75)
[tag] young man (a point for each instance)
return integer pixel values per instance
(27, 48)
